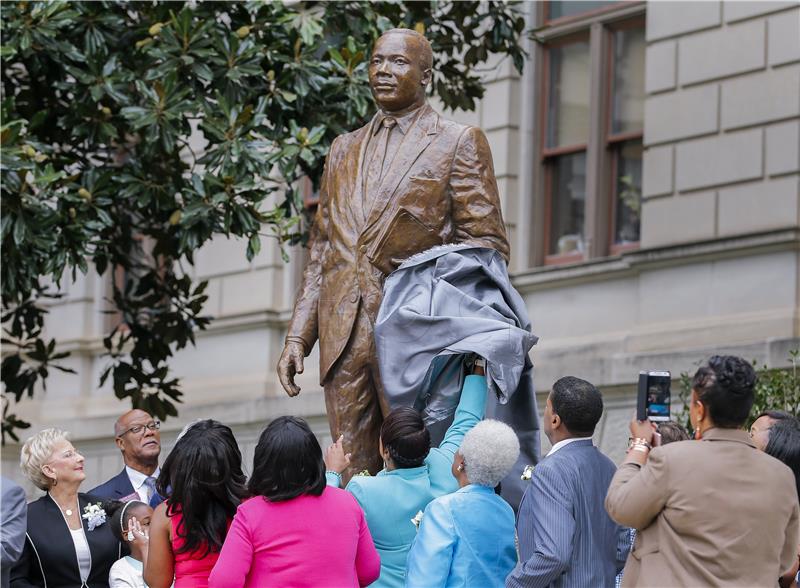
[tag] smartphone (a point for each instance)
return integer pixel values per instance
(654, 397)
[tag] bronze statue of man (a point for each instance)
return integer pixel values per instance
(403, 183)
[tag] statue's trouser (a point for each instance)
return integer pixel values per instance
(353, 399)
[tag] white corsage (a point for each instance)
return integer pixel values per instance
(94, 515)
(417, 520)
(527, 473)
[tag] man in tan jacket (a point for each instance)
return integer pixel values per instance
(403, 183)
(714, 512)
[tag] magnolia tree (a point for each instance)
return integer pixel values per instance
(98, 102)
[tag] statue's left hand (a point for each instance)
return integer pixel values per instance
(291, 363)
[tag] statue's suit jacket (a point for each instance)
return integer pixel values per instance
(439, 188)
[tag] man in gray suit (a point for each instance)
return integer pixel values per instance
(13, 525)
(566, 538)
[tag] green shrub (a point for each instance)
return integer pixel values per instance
(776, 389)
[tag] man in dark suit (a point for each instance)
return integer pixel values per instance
(405, 182)
(138, 438)
(566, 538)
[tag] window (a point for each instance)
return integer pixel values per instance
(566, 131)
(591, 123)
(624, 138)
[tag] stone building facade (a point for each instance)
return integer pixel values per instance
(648, 160)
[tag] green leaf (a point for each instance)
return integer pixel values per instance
(202, 71)
(20, 229)
(253, 247)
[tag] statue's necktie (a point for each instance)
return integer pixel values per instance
(378, 164)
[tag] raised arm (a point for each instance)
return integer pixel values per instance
(471, 409)
(638, 492)
(476, 202)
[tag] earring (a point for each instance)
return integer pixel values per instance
(697, 434)
(460, 467)
(130, 535)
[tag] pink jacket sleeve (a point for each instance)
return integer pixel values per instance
(236, 556)
(368, 562)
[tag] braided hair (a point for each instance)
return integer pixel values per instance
(406, 438)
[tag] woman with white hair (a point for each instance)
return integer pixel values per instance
(467, 537)
(69, 542)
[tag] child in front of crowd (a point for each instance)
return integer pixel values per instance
(130, 523)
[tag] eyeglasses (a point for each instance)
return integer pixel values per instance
(137, 429)
(69, 454)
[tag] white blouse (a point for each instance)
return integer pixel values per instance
(83, 553)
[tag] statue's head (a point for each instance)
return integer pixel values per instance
(400, 69)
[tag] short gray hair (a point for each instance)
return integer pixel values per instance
(36, 452)
(490, 450)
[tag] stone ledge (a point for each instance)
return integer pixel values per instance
(633, 262)
(609, 364)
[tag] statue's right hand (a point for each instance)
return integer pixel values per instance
(291, 363)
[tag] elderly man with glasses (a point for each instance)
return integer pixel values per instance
(137, 436)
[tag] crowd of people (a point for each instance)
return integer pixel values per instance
(719, 509)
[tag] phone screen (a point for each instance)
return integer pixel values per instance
(658, 397)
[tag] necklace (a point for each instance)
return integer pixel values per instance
(67, 511)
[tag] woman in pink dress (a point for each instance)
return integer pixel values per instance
(203, 481)
(295, 531)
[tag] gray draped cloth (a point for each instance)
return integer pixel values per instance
(440, 309)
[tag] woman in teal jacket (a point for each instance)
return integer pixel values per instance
(414, 475)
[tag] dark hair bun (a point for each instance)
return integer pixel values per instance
(733, 374)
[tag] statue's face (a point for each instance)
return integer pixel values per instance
(395, 73)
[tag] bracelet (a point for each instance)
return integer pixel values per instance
(638, 441)
(640, 447)
(337, 474)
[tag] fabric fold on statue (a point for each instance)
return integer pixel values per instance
(440, 308)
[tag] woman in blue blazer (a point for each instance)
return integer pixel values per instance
(414, 475)
(467, 538)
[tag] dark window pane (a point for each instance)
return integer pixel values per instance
(567, 204)
(568, 95)
(629, 193)
(562, 8)
(628, 101)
